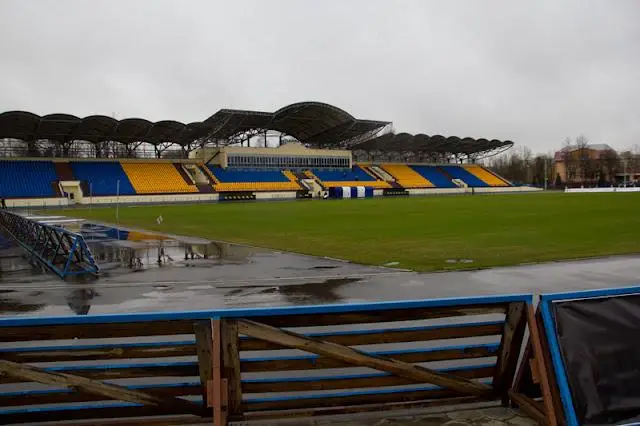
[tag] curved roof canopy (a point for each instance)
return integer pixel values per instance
(421, 143)
(314, 123)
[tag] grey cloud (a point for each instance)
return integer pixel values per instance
(534, 72)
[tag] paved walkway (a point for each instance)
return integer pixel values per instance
(487, 416)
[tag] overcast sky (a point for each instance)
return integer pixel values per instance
(532, 71)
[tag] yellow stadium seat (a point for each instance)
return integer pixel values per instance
(156, 178)
(406, 176)
(485, 175)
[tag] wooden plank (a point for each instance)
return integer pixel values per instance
(108, 391)
(174, 420)
(329, 411)
(35, 398)
(376, 381)
(510, 346)
(412, 334)
(549, 372)
(95, 331)
(204, 346)
(532, 407)
(312, 363)
(523, 382)
(539, 362)
(231, 365)
(391, 315)
(97, 354)
(358, 358)
(345, 400)
(111, 373)
(216, 388)
(81, 414)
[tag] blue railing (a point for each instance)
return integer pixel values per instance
(63, 252)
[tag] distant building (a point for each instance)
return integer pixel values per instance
(591, 164)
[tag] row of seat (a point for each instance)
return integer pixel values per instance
(106, 178)
(406, 176)
(154, 178)
(27, 179)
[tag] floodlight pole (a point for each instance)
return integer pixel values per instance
(546, 176)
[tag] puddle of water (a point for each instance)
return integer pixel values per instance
(147, 271)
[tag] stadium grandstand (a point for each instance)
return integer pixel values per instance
(303, 150)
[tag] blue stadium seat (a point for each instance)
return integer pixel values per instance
(23, 179)
(343, 175)
(247, 175)
(459, 172)
(433, 175)
(103, 177)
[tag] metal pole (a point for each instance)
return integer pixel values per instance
(625, 172)
(546, 176)
(118, 201)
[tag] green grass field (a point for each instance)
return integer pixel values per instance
(420, 233)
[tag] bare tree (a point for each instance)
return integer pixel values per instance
(584, 158)
(609, 166)
(567, 161)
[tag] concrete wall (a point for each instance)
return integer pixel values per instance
(609, 189)
(487, 190)
(144, 199)
(34, 203)
(436, 191)
(290, 195)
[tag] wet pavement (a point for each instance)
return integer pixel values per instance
(143, 271)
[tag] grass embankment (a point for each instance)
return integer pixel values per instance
(420, 233)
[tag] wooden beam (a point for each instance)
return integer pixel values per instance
(217, 387)
(372, 337)
(361, 359)
(539, 361)
(66, 397)
(107, 373)
(412, 357)
(366, 317)
(530, 406)
(93, 331)
(109, 391)
(231, 365)
(524, 380)
(379, 381)
(510, 346)
(107, 352)
(204, 346)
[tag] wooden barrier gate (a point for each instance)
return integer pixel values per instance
(595, 358)
(258, 363)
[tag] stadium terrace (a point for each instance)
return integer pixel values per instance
(319, 152)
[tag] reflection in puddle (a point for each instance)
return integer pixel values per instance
(115, 248)
(141, 271)
(322, 291)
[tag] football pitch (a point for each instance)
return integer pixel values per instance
(419, 233)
